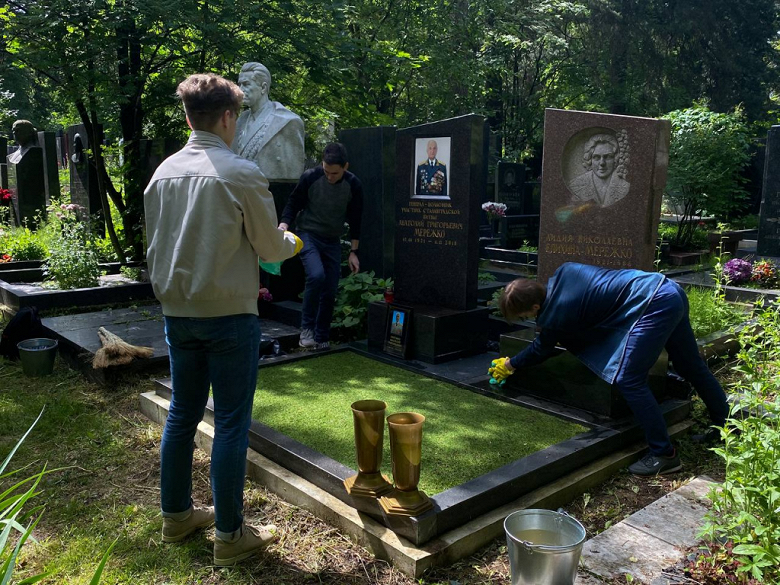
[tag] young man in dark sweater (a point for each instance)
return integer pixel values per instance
(324, 198)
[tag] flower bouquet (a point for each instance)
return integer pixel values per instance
(737, 271)
(494, 210)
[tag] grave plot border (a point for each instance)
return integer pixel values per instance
(18, 295)
(460, 504)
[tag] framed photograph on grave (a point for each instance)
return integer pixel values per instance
(431, 172)
(399, 326)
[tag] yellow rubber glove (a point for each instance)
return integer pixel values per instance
(298, 243)
(499, 371)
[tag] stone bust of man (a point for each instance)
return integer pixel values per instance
(268, 133)
(24, 135)
(603, 181)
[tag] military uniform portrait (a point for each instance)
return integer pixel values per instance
(431, 180)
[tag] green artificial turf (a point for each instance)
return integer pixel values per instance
(465, 434)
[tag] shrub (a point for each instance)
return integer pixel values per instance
(71, 263)
(746, 508)
(710, 312)
(350, 315)
(707, 154)
(25, 245)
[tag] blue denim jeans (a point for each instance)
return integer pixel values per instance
(221, 353)
(321, 259)
(665, 324)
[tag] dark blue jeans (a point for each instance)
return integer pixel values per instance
(220, 353)
(665, 324)
(321, 259)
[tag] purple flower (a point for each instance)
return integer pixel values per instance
(737, 270)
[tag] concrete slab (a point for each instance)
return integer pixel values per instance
(383, 542)
(625, 550)
(650, 540)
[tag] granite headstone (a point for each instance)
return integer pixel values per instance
(153, 152)
(769, 219)
(83, 172)
(26, 183)
(510, 178)
(3, 168)
(371, 153)
(603, 180)
(437, 211)
(51, 178)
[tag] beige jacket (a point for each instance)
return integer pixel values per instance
(209, 215)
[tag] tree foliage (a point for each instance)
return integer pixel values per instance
(367, 62)
(708, 152)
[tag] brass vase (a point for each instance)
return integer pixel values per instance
(369, 419)
(406, 452)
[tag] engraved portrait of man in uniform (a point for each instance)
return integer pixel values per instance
(604, 182)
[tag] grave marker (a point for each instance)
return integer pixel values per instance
(603, 179)
(51, 178)
(769, 219)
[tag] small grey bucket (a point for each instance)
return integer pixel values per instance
(544, 547)
(37, 356)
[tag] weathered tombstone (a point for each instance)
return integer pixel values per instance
(441, 173)
(371, 153)
(769, 219)
(83, 173)
(51, 178)
(25, 176)
(603, 179)
(3, 168)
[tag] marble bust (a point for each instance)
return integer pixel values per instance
(24, 135)
(266, 132)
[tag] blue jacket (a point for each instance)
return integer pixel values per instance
(590, 311)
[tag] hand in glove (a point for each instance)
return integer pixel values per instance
(500, 371)
(298, 242)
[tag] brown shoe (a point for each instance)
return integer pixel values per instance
(252, 540)
(176, 530)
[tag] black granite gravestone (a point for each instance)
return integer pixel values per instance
(371, 153)
(3, 168)
(51, 178)
(769, 225)
(83, 173)
(441, 173)
(510, 178)
(26, 183)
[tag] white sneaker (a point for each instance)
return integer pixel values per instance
(307, 339)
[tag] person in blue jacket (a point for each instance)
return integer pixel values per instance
(616, 322)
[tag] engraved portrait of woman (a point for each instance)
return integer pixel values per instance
(604, 181)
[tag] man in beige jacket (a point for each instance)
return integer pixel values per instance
(209, 216)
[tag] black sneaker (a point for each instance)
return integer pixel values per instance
(709, 437)
(656, 464)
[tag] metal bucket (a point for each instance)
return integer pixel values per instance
(544, 547)
(37, 356)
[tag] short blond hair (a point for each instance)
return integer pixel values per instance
(206, 97)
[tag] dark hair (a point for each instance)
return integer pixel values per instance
(520, 296)
(206, 97)
(335, 153)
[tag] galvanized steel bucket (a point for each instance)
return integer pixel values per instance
(544, 547)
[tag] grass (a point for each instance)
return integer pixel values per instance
(465, 434)
(708, 313)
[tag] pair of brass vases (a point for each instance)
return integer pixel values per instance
(405, 450)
